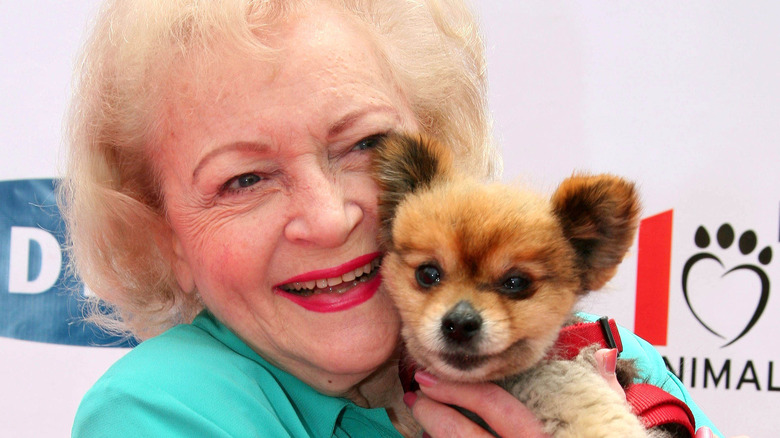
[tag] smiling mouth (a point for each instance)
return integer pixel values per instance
(338, 284)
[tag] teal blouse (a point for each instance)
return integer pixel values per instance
(201, 380)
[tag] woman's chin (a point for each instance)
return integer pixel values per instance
(368, 349)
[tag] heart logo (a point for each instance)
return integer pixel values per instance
(738, 279)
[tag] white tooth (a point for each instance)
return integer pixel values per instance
(322, 283)
(334, 281)
(349, 276)
(367, 268)
(310, 284)
(297, 285)
(358, 272)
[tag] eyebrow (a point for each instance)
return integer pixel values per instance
(352, 117)
(235, 146)
(335, 129)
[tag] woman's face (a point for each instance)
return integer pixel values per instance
(266, 181)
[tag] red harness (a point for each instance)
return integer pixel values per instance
(653, 405)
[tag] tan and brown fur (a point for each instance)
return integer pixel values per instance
(511, 266)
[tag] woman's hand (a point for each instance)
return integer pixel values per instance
(503, 412)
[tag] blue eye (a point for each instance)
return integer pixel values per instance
(242, 182)
(369, 142)
(248, 179)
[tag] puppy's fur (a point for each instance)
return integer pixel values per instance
(485, 275)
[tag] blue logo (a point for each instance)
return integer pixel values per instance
(39, 300)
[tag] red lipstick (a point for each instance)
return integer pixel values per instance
(332, 272)
(326, 302)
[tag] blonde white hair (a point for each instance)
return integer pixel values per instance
(110, 196)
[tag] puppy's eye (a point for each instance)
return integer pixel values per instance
(427, 275)
(516, 286)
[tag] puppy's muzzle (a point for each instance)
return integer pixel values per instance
(461, 325)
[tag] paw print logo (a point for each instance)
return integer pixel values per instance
(719, 293)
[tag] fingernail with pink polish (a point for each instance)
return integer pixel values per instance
(610, 361)
(425, 379)
(410, 398)
(704, 432)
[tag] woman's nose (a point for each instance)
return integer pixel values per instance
(323, 213)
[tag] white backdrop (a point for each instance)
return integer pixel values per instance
(41, 383)
(682, 98)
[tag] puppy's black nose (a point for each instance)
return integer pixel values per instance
(461, 323)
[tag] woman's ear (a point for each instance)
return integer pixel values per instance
(181, 267)
(599, 215)
(403, 164)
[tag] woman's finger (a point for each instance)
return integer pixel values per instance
(502, 411)
(440, 420)
(706, 432)
(606, 359)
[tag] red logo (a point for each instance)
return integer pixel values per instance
(654, 261)
(653, 279)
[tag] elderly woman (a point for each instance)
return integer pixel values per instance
(221, 208)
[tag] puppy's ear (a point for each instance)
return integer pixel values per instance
(403, 164)
(599, 215)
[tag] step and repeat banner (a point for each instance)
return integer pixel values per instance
(48, 356)
(684, 99)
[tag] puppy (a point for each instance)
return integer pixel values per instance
(485, 275)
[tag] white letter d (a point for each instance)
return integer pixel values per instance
(51, 261)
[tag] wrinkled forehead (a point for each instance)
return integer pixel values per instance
(318, 54)
(317, 39)
(289, 35)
